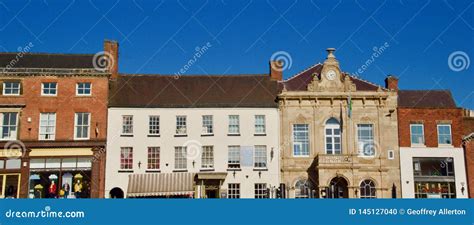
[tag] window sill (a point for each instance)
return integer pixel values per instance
(81, 139)
(260, 169)
(180, 135)
(260, 135)
(83, 96)
(125, 171)
(12, 95)
(153, 135)
(233, 134)
(152, 171)
(126, 135)
(417, 145)
(207, 135)
(445, 146)
(234, 169)
(49, 95)
(206, 169)
(180, 171)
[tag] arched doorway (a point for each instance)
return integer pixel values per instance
(116, 193)
(338, 188)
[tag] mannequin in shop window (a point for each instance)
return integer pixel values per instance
(10, 192)
(67, 189)
(52, 189)
(78, 189)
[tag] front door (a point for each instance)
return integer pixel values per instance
(211, 194)
(9, 185)
(338, 188)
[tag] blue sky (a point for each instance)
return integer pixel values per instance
(161, 36)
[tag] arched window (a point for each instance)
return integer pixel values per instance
(333, 136)
(367, 189)
(302, 189)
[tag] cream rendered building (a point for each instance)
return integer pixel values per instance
(339, 135)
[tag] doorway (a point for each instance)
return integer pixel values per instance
(9, 185)
(211, 194)
(338, 188)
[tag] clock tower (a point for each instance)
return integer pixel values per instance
(331, 78)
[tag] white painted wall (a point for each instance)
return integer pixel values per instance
(167, 141)
(406, 167)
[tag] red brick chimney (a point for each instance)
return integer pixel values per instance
(276, 70)
(391, 83)
(111, 47)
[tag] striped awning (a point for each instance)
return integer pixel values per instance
(160, 184)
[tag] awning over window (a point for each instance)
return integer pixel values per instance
(160, 184)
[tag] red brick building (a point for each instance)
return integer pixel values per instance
(430, 135)
(468, 145)
(53, 111)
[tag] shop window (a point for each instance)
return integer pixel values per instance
(300, 140)
(433, 167)
(367, 189)
(13, 164)
(9, 185)
(434, 177)
(2, 164)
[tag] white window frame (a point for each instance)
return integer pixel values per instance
(153, 148)
(232, 125)
(130, 158)
(260, 156)
(181, 125)
(52, 133)
(233, 190)
(362, 144)
(127, 125)
(450, 134)
(422, 133)
(13, 133)
(294, 142)
(77, 89)
(332, 137)
(207, 157)
(233, 157)
(260, 190)
(180, 158)
(207, 125)
(14, 94)
(43, 88)
(77, 125)
(260, 128)
(154, 125)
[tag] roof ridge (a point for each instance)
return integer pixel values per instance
(425, 90)
(194, 75)
(48, 53)
(303, 71)
(366, 81)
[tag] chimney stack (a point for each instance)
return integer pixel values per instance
(391, 83)
(111, 49)
(276, 70)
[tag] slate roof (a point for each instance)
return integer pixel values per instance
(300, 81)
(46, 60)
(132, 90)
(425, 99)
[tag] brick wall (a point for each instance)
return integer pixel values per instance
(468, 124)
(430, 118)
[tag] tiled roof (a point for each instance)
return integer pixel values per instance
(425, 99)
(300, 81)
(193, 91)
(46, 60)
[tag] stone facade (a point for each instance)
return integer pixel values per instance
(328, 96)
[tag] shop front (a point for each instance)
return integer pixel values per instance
(11, 173)
(161, 185)
(434, 177)
(61, 177)
(209, 184)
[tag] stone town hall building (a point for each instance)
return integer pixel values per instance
(338, 135)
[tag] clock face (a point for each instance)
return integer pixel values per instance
(331, 75)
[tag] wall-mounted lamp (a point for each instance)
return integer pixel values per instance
(194, 162)
(271, 154)
(462, 188)
(355, 192)
(139, 164)
(259, 174)
(234, 173)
